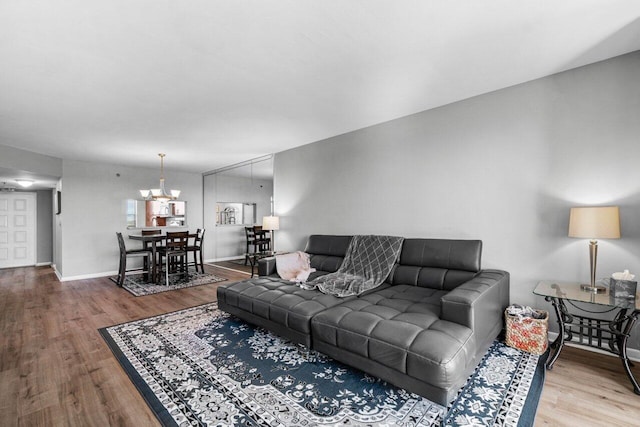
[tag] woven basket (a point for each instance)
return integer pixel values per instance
(528, 334)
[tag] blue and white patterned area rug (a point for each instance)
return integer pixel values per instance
(201, 366)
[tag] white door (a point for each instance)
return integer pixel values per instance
(17, 229)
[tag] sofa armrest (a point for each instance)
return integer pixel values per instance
(267, 266)
(479, 304)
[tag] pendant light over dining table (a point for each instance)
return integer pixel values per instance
(160, 194)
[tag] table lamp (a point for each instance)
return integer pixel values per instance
(594, 222)
(271, 223)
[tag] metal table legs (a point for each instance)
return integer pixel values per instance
(558, 343)
(626, 327)
(593, 333)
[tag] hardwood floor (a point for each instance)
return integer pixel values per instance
(55, 369)
(588, 389)
(234, 266)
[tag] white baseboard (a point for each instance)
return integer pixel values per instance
(115, 272)
(86, 276)
(229, 258)
(42, 264)
(55, 270)
(633, 353)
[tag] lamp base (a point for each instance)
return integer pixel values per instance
(593, 289)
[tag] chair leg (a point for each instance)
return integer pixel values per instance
(199, 253)
(122, 268)
(195, 260)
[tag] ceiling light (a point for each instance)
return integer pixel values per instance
(160, 194)
(24, 183)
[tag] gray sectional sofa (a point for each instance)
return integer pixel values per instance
(424, 329)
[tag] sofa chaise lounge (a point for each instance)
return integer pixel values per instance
(424, 329)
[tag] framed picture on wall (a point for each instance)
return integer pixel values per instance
(58, 202)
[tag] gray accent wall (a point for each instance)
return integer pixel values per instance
(503, 167)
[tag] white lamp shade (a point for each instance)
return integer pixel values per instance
(175, 193)
(595, 222)
(271, 223)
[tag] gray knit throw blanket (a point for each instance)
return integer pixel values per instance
(366, 265)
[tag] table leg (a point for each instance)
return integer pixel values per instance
(154, 267)
(626, 363)
(558, 343)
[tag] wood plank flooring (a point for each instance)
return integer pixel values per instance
(234, 266)
(55, 369)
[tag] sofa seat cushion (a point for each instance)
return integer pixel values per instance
(400, 327)
(277, 300)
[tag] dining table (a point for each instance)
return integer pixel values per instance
(153, 240)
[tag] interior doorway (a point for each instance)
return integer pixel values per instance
(17, 229)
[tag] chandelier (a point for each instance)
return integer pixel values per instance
(160, 194)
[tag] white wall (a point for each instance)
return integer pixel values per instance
(504, 167)
(94, 206)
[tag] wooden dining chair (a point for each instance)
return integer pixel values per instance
(257, 240)
(145, 245)
(131, 253)
(196, 249)
(250, 236)
(150, 233)
(263, 239)
(174, 253)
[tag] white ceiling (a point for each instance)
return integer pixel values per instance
(212, 83)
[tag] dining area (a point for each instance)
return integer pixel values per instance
(163, 256)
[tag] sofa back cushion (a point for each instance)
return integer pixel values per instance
(327, 252)
(437, 263)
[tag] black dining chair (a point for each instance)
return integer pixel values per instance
(257, 240)
(251, 237)
(150, 233)
(145, 245)
(196, 249)
(133, 253)
(174, 253)
(263, 239)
